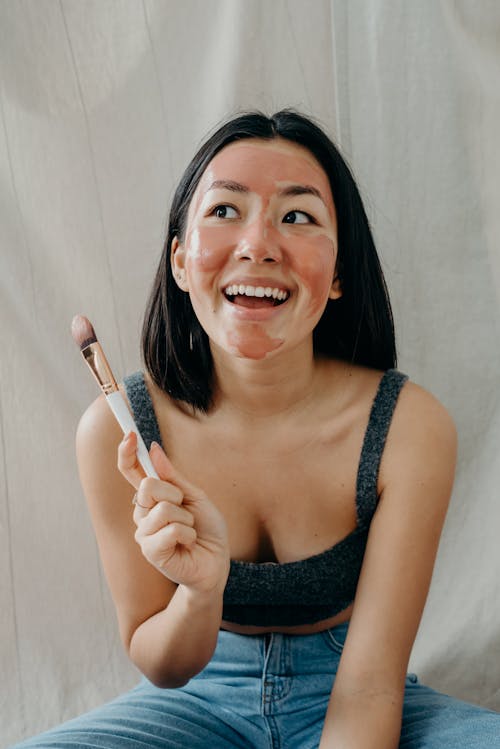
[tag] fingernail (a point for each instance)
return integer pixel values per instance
(155, 444)
(127, 437)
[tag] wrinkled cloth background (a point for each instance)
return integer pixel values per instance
(103, 102)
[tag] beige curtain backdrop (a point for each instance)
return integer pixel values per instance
(102, 104)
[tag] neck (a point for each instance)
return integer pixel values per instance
(258, 389)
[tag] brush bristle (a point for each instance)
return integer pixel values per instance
(82, 331)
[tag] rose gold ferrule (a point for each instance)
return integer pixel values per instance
(98, 364)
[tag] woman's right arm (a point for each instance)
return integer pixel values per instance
(169, 605)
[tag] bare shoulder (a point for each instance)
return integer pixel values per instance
(97, 438)
(97, 421)
(420, 414)
(422, 438)
(417, 410)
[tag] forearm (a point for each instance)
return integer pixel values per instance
(368, 719)
(176, 643)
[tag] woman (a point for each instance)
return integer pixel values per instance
(270, 584)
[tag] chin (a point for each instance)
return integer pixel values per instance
(256, 350)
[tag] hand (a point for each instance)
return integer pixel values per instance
(179, 530)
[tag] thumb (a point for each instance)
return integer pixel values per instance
(167, 472)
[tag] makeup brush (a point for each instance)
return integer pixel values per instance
(85, 338)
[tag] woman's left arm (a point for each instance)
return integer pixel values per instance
(416, 479)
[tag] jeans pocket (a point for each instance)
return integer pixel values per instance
(335, 637)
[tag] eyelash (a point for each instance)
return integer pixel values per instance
(312, 220)
(221, 205)
(212, 211)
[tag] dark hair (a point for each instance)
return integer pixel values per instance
(358, 327)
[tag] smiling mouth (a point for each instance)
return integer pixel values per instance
(256, 296)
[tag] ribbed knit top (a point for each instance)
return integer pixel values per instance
(308, 590)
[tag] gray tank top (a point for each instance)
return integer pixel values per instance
(270, 594)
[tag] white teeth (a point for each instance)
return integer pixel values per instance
(258, 291)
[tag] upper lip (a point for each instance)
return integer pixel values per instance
(273, 283)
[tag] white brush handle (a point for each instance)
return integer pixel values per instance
(127, 423)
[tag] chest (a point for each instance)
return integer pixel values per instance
(285, 494)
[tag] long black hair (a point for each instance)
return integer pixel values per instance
(358, 327)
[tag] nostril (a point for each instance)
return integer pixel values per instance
(264, 259)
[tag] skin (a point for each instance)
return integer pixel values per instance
(269, 474)
(254, 239)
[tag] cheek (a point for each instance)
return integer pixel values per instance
(208, 247)
(314, 264)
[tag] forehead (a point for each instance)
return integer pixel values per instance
(266, 165)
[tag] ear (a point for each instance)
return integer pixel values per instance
(177, 262)
(335, 290)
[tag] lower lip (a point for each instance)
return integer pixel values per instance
(252, 313)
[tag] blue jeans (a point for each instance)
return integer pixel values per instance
(263, 692)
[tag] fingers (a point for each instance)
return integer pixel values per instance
(170, 489)
(167, 472)
(164, 513)
(128, 464)
(131, 469)
(162, 529)
(159, 547)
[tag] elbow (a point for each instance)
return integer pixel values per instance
(166, 681)
(160, 675)
(167, 667)
(163, 675)
(163, 678)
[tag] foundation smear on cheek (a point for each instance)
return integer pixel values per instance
(195, 250)
(254, 343)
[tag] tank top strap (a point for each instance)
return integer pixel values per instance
(142, 408)
(379, 422)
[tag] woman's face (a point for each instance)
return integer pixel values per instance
(260, 247)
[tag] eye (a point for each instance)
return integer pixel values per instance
(298, 217)
(224, 211)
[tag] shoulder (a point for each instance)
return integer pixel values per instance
(422, 439)
(98, 425)
(97, 438)
(417, 409)
(422, 435)
(420, 414)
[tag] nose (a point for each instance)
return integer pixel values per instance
(259, 244)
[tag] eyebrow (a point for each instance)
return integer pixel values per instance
(302, 190)
(290, 190)
(228, 184)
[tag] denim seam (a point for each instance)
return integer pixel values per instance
(332, 641)
(273, 731)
